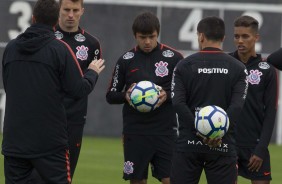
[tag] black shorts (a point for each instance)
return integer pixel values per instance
(142, 150)
(264, 173)
(52, 168)
(187, 167)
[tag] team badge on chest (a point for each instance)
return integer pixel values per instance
(161, 69)
(264, 65)
(254, 77)
(168, 53)
(79, 37)
(128, 55)
(59, 35)
(82, 52)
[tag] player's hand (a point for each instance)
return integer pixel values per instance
(127, 94)
(97, 65)
(212, 143)
(162, 96)
(255, 163)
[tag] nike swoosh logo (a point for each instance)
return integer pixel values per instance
(134, 70)
(266, 173)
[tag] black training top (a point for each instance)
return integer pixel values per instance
(157, 67)
(38, 70)
(86, 48)
(209, 77)
(256, 121)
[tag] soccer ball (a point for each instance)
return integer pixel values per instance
(212, 122)
(144, 96)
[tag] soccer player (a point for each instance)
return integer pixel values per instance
(208, 77)
(148, 138)
(256, 121)
(38, 70)
(86, 48)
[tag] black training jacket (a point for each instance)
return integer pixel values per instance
(86, 48)
(38, 70)
(275, 59)
(256, 121)
(209, 77)
(157, 67)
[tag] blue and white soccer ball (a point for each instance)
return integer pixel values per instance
(212, 122)
(144, 96)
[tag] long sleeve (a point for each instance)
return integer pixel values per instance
(270, 103)
(74, 82)
(239, 93)
(178, 94)
(116, 93)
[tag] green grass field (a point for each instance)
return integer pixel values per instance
(101, 162)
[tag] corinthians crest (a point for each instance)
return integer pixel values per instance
(82, 52)
(128, 167)
(254, 77)
(161, 69)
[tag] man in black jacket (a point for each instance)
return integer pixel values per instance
(275, 59)
(256, 121)
(148, 137)
(38, 70)
(209, 77)
(86, 48)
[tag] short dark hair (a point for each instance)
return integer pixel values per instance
(146, 23)
(212, 27)
(46, 12)
(247, 21)
(74, 1)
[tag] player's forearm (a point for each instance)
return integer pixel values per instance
(266, 133)
(115, 97)
(184, 113)
(237, 100)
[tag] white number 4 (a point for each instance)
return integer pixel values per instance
(188, 31)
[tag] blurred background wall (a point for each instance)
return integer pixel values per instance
(111, 20)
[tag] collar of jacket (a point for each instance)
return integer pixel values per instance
(58, 28)
(251, 60)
